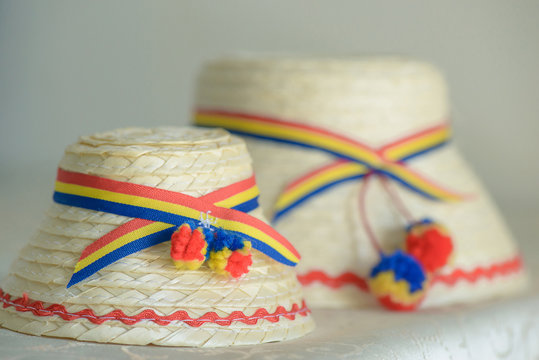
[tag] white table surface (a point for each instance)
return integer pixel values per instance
(500, 329)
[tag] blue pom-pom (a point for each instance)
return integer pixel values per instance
(226, 239)
(404, 267)
(208, 234)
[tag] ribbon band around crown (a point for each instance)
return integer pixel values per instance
(157, 214)
(354, 159)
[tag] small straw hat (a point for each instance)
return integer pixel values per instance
(356, 168)
(106, 276)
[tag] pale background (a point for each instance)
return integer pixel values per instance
(70, 67)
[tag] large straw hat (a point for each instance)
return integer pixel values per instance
(143, 298)
(301, 115)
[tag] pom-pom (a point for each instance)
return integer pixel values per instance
(239, 261)
(230, 255)
(188, 247)
(398, 281)
(429, 243)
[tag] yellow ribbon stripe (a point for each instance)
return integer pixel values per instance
(121, 241)
(296, 135)
(180, 210)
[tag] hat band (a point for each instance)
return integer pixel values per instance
(355, 159)
(473, 275)
(157, 214)
(38, 308)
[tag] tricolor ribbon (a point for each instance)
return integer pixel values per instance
(157, 214)
(354, 159)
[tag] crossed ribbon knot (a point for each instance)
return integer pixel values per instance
(158, 214)
(354, 160)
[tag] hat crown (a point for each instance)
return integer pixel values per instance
(188, 138)
(142, 297)
(373, 99)
(338, 124)
(191, 160)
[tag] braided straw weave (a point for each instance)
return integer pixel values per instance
(187, 160)
(374, 100)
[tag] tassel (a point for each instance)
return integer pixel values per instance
(239, 261)
(188, 247)
(230, 255)
(429, 243)
(398, 281)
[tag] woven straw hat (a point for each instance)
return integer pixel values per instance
(417, 207)
(142, 298)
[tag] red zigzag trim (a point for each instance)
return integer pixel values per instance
(349, 278)
(24, 304)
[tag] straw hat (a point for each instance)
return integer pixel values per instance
(142, 297)
(353, 160)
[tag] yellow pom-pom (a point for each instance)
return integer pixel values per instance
(218, 260)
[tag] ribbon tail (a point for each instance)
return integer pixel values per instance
(420, 184)
(315, 182)
(129, 238)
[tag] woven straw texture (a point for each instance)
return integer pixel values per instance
(374, 100)
(187, 160)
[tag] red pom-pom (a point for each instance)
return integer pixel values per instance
(239, 261)
(430, 244)
(188, 247)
